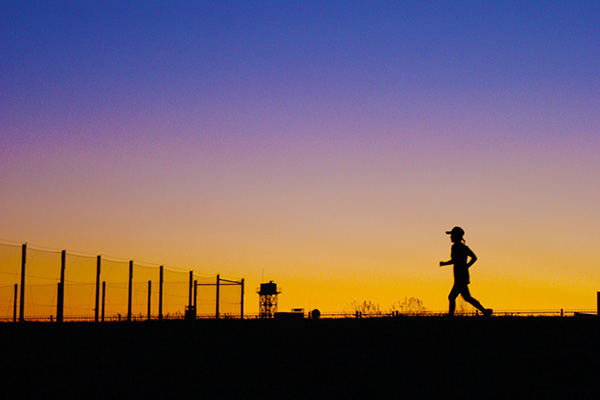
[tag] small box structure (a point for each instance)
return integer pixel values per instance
(267, 305)
(297, 313)
(190, 313)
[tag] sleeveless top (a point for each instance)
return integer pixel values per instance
(459, 255)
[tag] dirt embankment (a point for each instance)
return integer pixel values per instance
(369, 358)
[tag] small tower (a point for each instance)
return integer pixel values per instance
(267, 304)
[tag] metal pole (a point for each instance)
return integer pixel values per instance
(130, 290)
(242, 302)
(60, 301)
(103, 298)
(15, 303)
(22, 299)
(160, 294)
(149, 297)
(195, 294)
(217, 310)
(190, 289)
(97, 308)
(58, 307)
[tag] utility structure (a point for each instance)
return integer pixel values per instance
(267, 304)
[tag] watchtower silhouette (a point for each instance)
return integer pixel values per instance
(267, 305)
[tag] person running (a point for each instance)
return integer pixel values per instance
(459, 254)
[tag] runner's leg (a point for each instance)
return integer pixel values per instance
(469, 299)
(452, 298)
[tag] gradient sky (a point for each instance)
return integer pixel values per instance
(324, 145)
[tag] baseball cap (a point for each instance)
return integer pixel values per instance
(457, 230)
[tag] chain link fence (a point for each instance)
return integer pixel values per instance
(46, 285)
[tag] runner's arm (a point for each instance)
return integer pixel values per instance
(473, 257)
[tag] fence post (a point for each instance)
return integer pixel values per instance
(97, 304)
(22, 299)
(242, 302)
(149, 298)
(103, 298)
(60, 301)
(160, 293)
(190, 304)
(58, 316)
(217, 308)
(195, 295)
(130, 290)
(15, 303)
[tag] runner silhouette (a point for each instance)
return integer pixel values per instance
(459, 254)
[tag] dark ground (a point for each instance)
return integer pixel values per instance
(425, 357)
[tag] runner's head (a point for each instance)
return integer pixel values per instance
(456, 234)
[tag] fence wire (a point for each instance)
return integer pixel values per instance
(104, 289)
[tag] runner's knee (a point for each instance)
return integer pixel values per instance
(468, 299)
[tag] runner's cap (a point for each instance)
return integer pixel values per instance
(457, 230)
